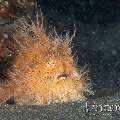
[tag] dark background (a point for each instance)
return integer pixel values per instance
(97, 39)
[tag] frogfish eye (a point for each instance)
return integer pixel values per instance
(62, 76)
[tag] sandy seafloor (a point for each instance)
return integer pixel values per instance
(99, 109)
(97, 43)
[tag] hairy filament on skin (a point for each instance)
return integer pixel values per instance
(44, 70)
